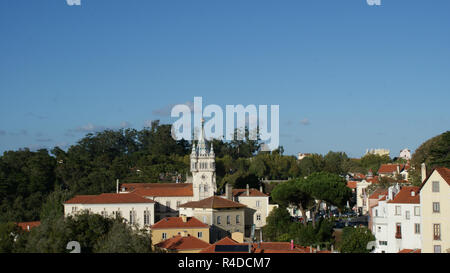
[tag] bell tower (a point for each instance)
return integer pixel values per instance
(203, 168)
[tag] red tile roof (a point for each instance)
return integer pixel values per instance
(406, 250)
(109, 198)
(264, 247)
(405, 197)
(390, 168)
(373, 179)
(352, 184)
(177, 222)
(443, 172)
(28, 225)
(224, 241)
(252, 192)
(183, 243)
(378, 193)
(213, 202)
(164, 189)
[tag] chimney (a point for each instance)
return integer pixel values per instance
(229, 191)
(248, 190)
(318, 247)
(117, 186)
(261, 188)
(184, 218)
(332, 249)
(398, 169)
(292, 244)
(424, 171)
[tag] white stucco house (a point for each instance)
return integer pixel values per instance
(396, 220)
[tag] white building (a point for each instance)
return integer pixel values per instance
(135, 209)
(396, 221)
(405, 154)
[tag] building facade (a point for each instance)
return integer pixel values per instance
(435, 207)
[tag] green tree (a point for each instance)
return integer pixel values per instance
(8, 233)
(277, 225)
(355, 240)
(121, 238)
(291, 193)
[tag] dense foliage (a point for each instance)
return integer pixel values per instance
(434, 152)
(95, 233)
(355, 240)
(280, 228)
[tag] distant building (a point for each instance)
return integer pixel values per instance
(405, 154)
(174, 226)
(135, 209)
(300, 156)
(380, 152)
(224, 216)
(257, 205)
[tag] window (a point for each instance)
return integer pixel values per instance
(398, 210)
(417, 211)
(437, 231)
(398, 231)
(376, 213)
(164, 236)
(228, 219)
(379, 229)
(407, 216)
(436, 207)
(132, 218)
(258, 204)
(118, 214)
(383, 243)
(104, 213)
(437, 249)
(258, 217)
(218, 220)
(167, 205)
(146, 217)
(178, 204)
(417, 228)
(238, 220)
(199, 234)
(435, 186)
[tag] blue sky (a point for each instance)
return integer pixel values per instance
(347, 76)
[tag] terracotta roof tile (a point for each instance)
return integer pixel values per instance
(443, 172)
(378, 193)
(405, 197)
(243, 192)
(109, 198)
(28, 225)
(164, 189)
(183, 243)
(390, 168)
(177, 222)
(213, 202)
(406, 250)
(352, 184)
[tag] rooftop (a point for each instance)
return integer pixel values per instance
(213, 202)
(183, 243)
(108, 198)
(177, 222)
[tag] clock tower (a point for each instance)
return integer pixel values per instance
(203, 168)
